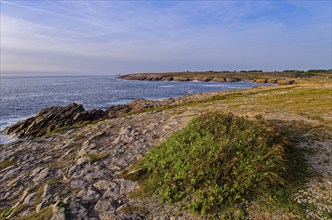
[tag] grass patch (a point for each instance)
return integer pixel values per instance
(313, 103)
(6, 212)
(96, 157)
(216, 165)
(70, 127)
(6, 163)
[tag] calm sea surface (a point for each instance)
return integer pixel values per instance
(23, 96)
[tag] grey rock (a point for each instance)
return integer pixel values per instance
(77, 211)
(58, 213)
(11, 173)
(28, 200)
(126, 186)
(82, 160)
(77, 184)
(41, 175)
(106, 207)
(49, 119)
(47, 190)
(88, 195)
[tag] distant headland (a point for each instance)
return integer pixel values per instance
(278, 77)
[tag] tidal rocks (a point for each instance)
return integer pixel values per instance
(52, 118)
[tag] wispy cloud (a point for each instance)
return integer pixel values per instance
(118, 37)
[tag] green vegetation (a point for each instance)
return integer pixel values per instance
(6, 212)
(218, 163)
(70, 127)
(6, 163)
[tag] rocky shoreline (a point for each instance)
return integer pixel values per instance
(70, 166)
(272, 78)
(56, 118)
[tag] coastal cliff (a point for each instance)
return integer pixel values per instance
(76, 162)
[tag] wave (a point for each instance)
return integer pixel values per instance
(215, 86)
(6, 139)
(167, 86)
(10, 121)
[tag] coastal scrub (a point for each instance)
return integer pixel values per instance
(217, 162)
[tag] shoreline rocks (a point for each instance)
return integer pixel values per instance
(280, 79)
(52, 118)
(57, 118)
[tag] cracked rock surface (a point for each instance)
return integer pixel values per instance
(79, 168)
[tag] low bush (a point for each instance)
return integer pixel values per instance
(217, 162)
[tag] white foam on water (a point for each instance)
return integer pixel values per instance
(168, 86)
(5, 139)
(215, 86)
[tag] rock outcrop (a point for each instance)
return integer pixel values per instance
(52, 118)
(58, 118)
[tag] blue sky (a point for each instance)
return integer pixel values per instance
(116, 37)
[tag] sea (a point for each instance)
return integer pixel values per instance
(23, 96)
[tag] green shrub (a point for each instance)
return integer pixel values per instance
(217, 161)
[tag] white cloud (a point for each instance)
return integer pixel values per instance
(131, 37)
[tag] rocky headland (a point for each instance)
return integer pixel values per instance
(281, 78)
(69, 162)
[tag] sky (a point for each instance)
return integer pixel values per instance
(119, 37)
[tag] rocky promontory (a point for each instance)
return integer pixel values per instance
(56, 118)
(281, 78)
(52, 118)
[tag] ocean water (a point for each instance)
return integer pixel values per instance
(23, 96)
